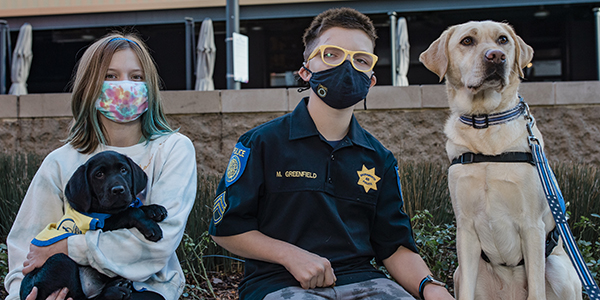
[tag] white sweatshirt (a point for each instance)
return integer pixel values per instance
(169, 162)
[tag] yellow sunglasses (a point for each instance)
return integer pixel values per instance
(335, 56)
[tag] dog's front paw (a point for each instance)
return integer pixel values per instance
(155, 212)
(151, 231)
(119, 289)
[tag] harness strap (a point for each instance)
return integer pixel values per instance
(507, 157)
(551, 243)
(557, 207)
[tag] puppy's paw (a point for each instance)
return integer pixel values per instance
(151, 231)
(155, 212)
(119, 289)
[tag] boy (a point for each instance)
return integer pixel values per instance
(310, 198)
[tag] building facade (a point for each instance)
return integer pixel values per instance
(562, 33)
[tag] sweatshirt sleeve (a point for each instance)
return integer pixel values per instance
(41, 205)
(126, 252)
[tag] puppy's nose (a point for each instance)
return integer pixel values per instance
(495, 56)
(117, 190)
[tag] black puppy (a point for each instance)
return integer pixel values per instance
(107, 183)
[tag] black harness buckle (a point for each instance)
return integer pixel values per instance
(467, 158)
(552, 240)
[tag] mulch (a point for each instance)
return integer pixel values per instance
(224, 287)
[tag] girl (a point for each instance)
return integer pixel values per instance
(116, 106)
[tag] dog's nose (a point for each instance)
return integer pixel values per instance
(117, 190)
(495, 56)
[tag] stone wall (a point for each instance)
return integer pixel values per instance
(407, 120)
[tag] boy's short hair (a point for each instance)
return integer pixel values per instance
(336, 17)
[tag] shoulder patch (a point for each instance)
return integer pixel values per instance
(237, 164)
(219, 208)
(398, 177)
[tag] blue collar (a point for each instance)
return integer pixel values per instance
(484, 121)
(102, 216)
(136, 203)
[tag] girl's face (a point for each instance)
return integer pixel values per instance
(125, 65)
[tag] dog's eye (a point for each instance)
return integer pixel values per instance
(467, 41)
(99, 174)
(123, 170)
(502, 40)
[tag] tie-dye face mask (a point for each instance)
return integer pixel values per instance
(123, 101)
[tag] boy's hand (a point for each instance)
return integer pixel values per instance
(310, 270)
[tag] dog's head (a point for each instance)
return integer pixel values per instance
(478, 56)
(107, 183)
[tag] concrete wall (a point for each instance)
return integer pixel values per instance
(407, 120)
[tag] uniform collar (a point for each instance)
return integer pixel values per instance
(302, 126)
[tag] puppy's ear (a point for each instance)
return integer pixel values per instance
(78, 191)
(139, 179)
(435, 58)
(523, 52)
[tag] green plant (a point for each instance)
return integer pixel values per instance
(590, 249)
(436, 245)
(199, 221)
(17, 171)
(3, 261)
(425, 187)
(193, 262)
(580, 186)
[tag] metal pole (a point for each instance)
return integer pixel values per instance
(597, 14)
(4, 36)
(189, 46)
(393, 42)
(233, 25)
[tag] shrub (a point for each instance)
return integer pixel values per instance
(437, 245)
(17, 172)
(426, 199)
(425, 187)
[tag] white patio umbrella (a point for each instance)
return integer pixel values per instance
(402, 52)
(207, 53)
(21, 61)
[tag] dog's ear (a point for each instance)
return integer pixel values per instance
(523, 52)
(139, 179)
(435, 58)
(78, 191)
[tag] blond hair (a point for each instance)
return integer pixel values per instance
(86, 131)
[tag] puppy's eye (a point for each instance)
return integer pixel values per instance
(123, 170)
(99, 174)
(467, 41)
(502, 40)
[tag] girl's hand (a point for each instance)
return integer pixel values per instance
(58, 295)
(37, 256)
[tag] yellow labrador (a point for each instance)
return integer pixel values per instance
(503, 219)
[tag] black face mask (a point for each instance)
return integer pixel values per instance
(340, 87)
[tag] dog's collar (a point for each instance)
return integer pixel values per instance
(136, 203)
(484, 121)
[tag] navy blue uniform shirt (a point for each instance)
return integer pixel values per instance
(344, 203)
